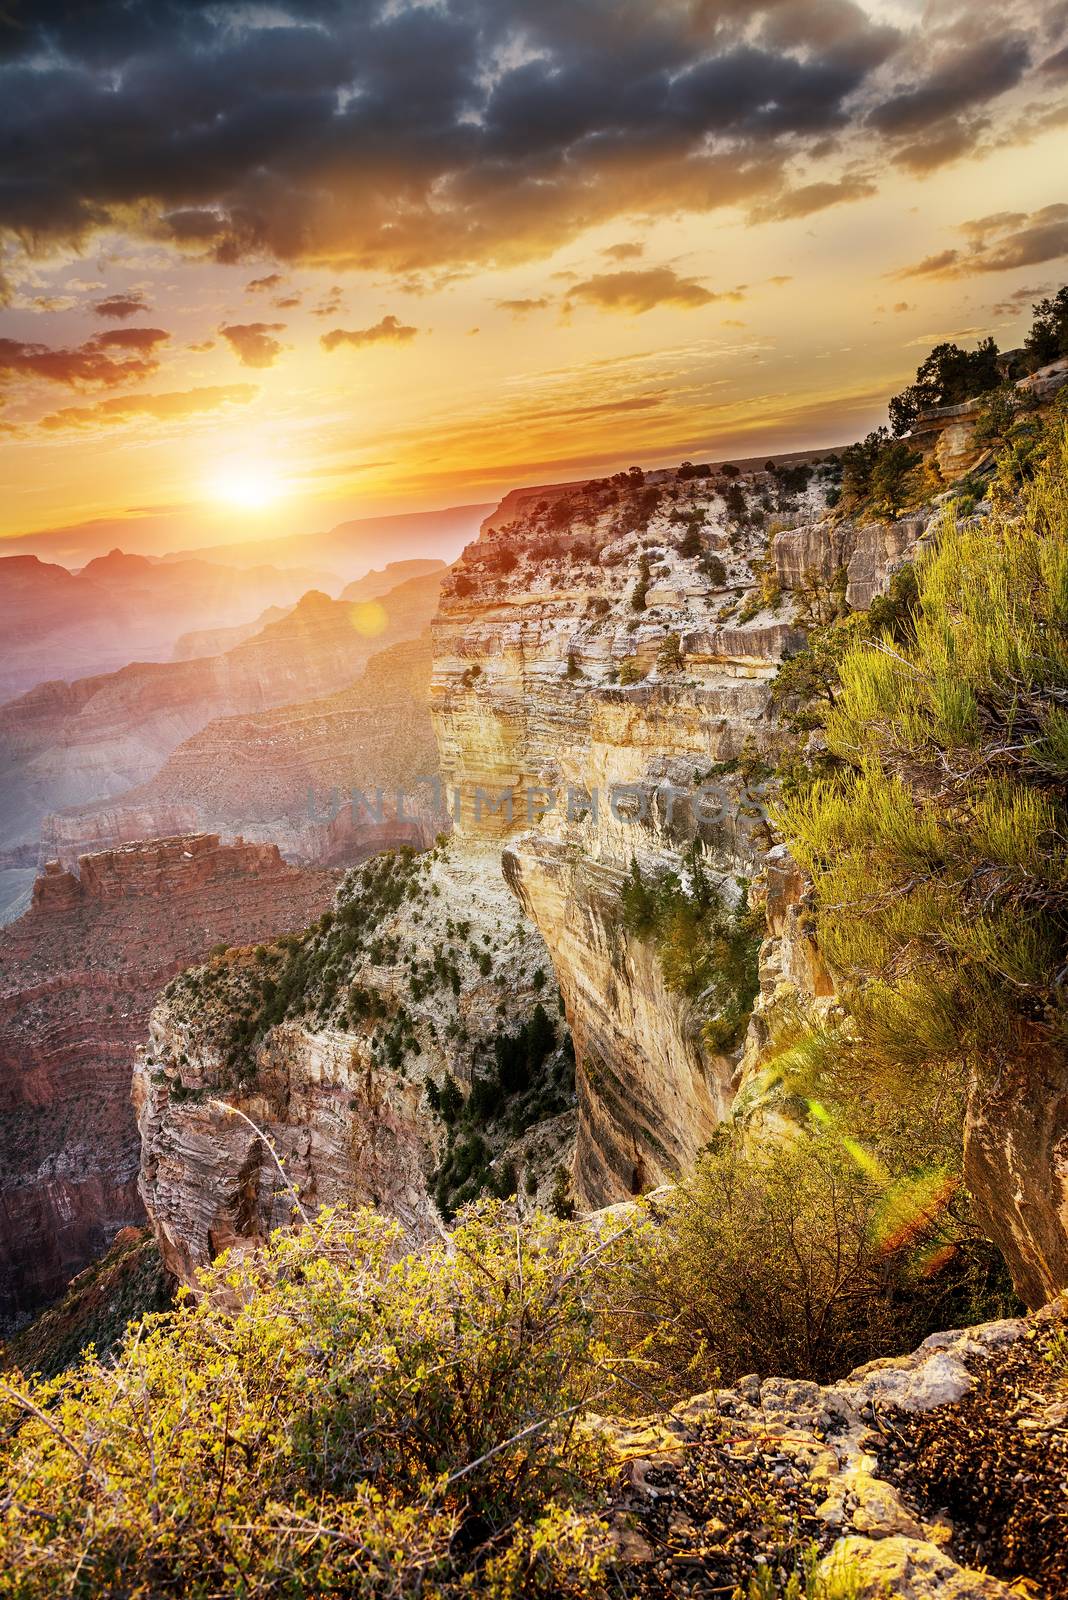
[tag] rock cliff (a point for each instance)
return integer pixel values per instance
(287, 775)
(78, 975)
(337, 1047)
(614, 646)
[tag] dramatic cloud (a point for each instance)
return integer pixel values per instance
(154, 407)
(416, 137)
(627, 250)
(641, 289)
(999, 243)
(389, 329)
(92, 365)
(273, 280)
(121, 306)
(970, 77)
(253, 343)
(812, 197)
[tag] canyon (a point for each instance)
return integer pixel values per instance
(79, 973)
(120, 608)
(66, 744)
(287, 775)
(601, 692)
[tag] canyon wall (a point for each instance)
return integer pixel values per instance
(334, 1048)
(623, 636)
(66, 744)
(78, 976)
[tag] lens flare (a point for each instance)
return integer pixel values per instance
(369, 619)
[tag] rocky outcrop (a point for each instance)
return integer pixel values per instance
(901, 1474)
(65, 744)
(343, 1128)
(424, 962)
(78, 975)
(816, 556)
(946, 435)
(288, 775)
(613, 649)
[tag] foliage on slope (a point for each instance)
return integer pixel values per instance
(332, 1416)
(937, 852)
(934, 832)
(127, 1283)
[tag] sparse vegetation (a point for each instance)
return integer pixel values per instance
(707, 945)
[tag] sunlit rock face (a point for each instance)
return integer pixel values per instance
(601, 655)
(78, 976)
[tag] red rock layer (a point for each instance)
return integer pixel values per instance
(78, 977)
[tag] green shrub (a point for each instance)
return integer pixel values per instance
(708, 948)
(936, 850)
(800, 1258)
(332, 1416)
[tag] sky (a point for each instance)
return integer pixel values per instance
(266, 267)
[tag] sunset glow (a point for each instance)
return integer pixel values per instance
(610, 234)
(250, 487)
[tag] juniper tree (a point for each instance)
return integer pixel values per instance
(939, 861)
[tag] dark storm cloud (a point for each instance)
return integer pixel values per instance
(970, 77)
(409, 137)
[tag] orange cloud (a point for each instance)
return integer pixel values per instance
(812, 197)
(641, 290)
(157, 407)
(87, 366)
(1000, 243)
(121, 306)
(388, 330)
(253, 343)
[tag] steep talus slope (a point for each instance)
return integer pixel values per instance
(287, 775)
(78, 977)
(64, 744)
(623, 637)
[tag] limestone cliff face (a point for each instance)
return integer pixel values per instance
(423, 962)
(614, 646)
(78, 976)
(343, 1128)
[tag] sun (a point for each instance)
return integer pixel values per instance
(250, 485)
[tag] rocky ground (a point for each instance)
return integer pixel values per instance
(941, 1473)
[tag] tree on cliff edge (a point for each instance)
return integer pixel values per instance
(939, 861)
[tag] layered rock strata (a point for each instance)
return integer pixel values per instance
(78, 976)
(288, 775)
(66, 744)
(614, 648)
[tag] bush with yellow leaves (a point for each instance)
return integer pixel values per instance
(335, 1415)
